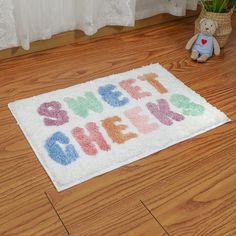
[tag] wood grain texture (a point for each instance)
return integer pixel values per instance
(187, 189)
(28, 215)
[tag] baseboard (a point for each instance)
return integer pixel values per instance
(78, 36)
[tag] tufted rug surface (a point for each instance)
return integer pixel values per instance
(88, 129)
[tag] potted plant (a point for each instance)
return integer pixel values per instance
(221, 12)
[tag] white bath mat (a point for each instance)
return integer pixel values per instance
(86, 130)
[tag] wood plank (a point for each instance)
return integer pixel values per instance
(191, 177)
(202, 202)
(24, 208)
(28, 215)
(126, 217)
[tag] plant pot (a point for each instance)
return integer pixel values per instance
(224, 25)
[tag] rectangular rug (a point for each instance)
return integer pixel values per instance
(86, 130)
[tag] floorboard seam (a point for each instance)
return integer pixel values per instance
(68, 233)
(154, 218)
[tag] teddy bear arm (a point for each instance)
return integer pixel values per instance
(191, 42)
(216, 47)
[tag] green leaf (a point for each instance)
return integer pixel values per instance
(219, 6)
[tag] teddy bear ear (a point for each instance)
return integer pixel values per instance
(202, 20)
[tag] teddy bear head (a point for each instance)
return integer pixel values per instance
(208, 26)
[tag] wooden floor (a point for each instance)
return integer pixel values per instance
(187, 189)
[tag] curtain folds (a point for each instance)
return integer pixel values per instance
(25, 21)
(8, 36)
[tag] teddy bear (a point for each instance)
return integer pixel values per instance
(205, 43)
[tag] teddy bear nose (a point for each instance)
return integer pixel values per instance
(207, 28)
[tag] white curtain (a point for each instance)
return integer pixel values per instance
(8, 36)
(147, 8)
(25, 21)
